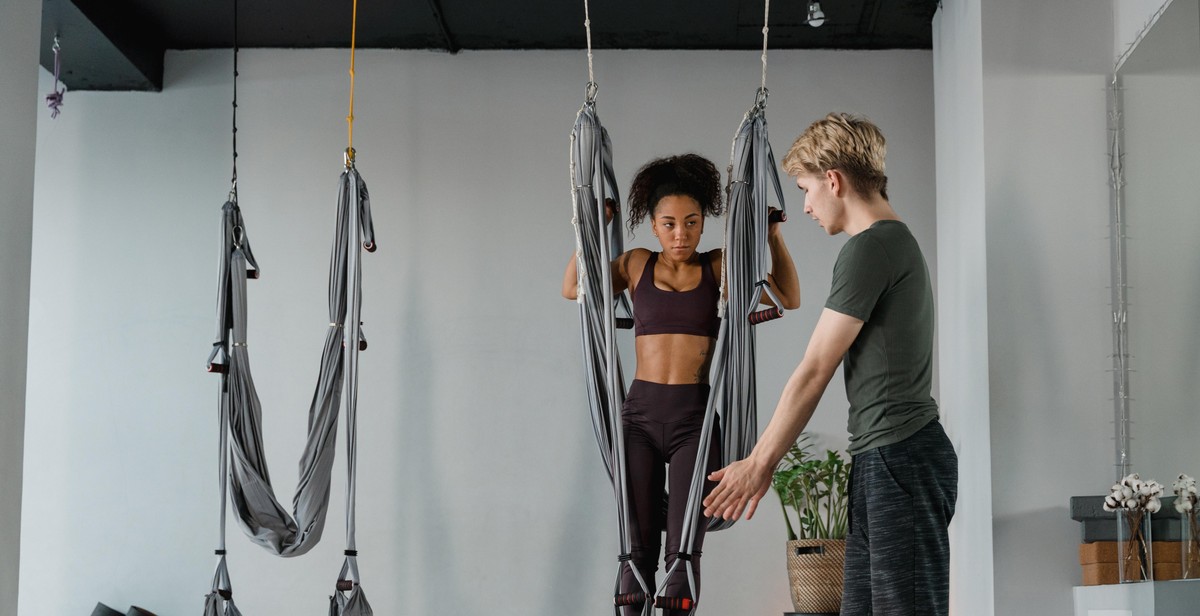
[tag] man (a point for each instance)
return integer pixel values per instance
(879, 318)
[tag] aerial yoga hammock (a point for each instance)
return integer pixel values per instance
(243, 466)
(732, 376)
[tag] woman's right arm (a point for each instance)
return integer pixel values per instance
(620, 265)
(620, 275)
(571, 278)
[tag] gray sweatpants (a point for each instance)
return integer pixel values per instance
(898, 551)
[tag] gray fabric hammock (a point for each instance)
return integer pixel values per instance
(260, 515)
(744, 275)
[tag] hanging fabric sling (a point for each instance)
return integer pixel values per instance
(242, 459)
(732, 376)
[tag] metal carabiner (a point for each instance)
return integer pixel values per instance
(760, 99)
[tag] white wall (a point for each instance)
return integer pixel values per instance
(1131, 18)
(963, 296)
(19, 29)
(480, 487)
(1049, 335)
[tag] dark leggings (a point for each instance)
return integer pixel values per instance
(662, 428)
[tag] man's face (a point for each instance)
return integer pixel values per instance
(820, 202)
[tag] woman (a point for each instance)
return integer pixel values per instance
(675, 294)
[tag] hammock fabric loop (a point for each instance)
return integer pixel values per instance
(261, 516)
(244, 476)
(733, 374)
(745, 268)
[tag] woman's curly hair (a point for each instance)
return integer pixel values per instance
(686, 174)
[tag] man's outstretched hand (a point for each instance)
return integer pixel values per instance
(742, 485)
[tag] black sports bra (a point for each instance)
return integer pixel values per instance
(694, 311)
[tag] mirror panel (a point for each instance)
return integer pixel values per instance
(1161, 102)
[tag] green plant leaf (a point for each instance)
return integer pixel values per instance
(815, 489)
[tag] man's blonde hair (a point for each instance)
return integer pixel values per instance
(851, 144)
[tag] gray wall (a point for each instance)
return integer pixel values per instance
(1045, 66)
(1033, 140)
(480, 488)
(19, 28)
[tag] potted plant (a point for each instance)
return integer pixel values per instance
(814, 496)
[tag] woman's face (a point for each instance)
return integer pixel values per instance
(678, 223)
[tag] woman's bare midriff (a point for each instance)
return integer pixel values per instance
(673, 359)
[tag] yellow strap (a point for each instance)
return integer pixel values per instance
(350, 116)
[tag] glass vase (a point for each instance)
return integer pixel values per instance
(1135, 560)
(1189, 551)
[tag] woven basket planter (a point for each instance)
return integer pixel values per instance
(815, 572)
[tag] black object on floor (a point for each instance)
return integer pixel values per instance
(104, 610)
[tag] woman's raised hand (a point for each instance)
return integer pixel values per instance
(610, 208)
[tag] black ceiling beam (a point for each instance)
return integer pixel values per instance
(119, 44)
(441, 22)
(104, 46)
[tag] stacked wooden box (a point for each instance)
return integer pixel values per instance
(1098, 560)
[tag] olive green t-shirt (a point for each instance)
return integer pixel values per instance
(881, 278)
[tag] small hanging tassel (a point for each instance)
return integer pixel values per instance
(54, 100)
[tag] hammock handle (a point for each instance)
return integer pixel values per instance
(345, 585)
(624, 323)
(629, 598)
(777, 216)
(674, 603)
(768, 314)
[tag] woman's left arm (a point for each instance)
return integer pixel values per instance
(783, 279)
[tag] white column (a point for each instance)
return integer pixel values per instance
(20, 25)
(962, 302)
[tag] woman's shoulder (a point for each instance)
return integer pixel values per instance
(715, 257)
(637, 256)
(633, 263)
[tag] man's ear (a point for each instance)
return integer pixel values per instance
(837, 182)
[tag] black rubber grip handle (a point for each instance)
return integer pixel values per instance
(370, 246)
(252, 274)
(218, 368)
(762, 316)
(345, 585)
(624, 323)
(225, 594)
(629, 598)
(362, 345)
(777, 216)
(674, 603)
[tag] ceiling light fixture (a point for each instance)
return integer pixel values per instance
(816, 16)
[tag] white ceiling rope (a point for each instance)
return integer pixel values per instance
(766, 16)
(587, 24)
